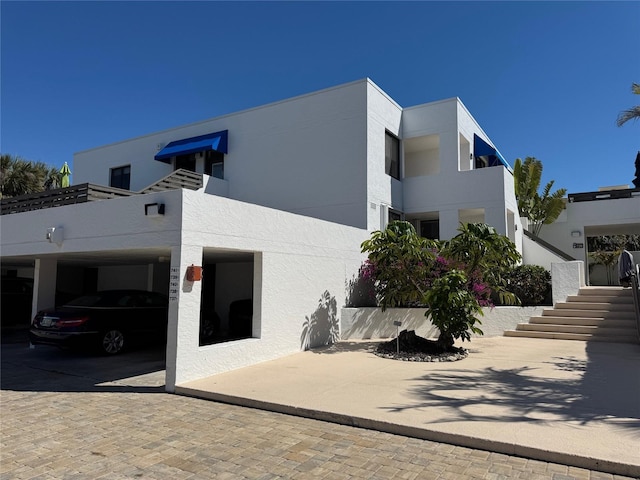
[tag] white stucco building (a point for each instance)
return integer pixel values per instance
(282, 197)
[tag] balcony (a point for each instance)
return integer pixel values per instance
(88, 192)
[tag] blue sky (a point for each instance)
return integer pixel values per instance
(543, 79)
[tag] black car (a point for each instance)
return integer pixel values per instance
(109, 320)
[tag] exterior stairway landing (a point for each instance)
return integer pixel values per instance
(596, 313)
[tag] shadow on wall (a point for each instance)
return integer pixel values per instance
(367, 323)
(323, 326)
(360, 289)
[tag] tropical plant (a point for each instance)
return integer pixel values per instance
(540, 209)
(453, 284)
(453, 308)
(530, 283)
(632, 113)
(482, 251)
(607, 259)
(20, 177)
(399, 259)
(613, 243)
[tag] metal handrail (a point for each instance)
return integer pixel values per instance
(636, 297)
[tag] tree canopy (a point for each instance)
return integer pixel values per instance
(20, 177)
(632, 113)
(540, 209)
(453, 279)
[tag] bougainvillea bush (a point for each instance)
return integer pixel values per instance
(452, 280)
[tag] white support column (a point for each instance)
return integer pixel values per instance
(449, 223)
(496, 217)
(184, 312)
(44, 284)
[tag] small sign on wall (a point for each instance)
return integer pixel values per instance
(174, 284)
(578, 245)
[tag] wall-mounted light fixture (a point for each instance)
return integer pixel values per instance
(154, 209)
(576, 233)
(55, 235)
(194, 273)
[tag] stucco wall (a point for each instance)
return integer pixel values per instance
(373, 323)
(116, 224)
(300, 268)
(383, 191)
(306, 155)
(450, 190)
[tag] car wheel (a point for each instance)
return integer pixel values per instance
(112, 341)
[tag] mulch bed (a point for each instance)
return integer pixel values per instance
(414, 348)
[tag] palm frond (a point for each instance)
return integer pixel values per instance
(632, 113)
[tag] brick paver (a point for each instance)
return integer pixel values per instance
(133, 433)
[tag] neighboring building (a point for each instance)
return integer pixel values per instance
(608, 211)
(281, 199)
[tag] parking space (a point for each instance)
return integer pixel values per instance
(45, 368)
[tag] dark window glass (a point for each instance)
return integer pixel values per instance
(121, 177)
(214, 164)
(394, 216)
(392, 156)
(430, 229)
(186, 162)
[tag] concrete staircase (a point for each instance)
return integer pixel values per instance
(596, 313)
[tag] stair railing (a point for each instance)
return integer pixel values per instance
(635, 293)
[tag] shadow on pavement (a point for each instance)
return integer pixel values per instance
(51, 369)
(604, 387)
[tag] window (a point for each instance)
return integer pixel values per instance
(394, 215)
(392, 155)
(187, 162)
(430, 229)
(121, 177)
(214, 164)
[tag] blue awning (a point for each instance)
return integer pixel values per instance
(212, 141)
(483, 149)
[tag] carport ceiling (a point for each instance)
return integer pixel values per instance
(127, 257)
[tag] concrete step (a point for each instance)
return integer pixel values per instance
(596, 313)
(565, 312)
(612, 306)
(557, 320)
(570, 336)
(600, 299)
(595, 330)
(605, 291)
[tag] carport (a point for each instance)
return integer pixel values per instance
(277, 264)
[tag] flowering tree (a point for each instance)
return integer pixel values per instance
(486, 257)
(452, 279)
(453, 308)
(399, 261)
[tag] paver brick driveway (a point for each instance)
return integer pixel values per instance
(74, 416)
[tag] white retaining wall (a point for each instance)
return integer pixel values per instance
(373, 323)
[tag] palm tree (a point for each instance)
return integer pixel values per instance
(632, 113)
(20, 177)
(539, 209)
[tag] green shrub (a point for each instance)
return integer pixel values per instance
(531, 284)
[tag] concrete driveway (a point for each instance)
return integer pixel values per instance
(74, 416)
